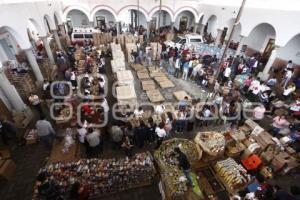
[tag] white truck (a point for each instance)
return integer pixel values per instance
(185, 41)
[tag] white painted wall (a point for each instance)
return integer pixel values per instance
(78, 18)
(259, 37)
(109, 17)
(165, 15)
(212, 26)
(291, 51)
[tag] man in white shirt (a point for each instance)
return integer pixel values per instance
(160, 109)
(81, 134)
(93, 140)
(227, 73)
(161, 134)
(287, 77)
(177, 67)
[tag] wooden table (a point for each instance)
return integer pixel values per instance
(137, 67)
(161, 78)
(148, 85)
(126, 94)
(142, 75)
(157, 73)
(166, 84)
(179, 95)
(125, 77)
(155, 96)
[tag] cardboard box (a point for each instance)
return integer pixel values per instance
(166, 84)
(148, 85)
(155, 96)
(179, 95)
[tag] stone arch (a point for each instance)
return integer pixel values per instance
(76, 7)
(187, 8)
(49, 23)
(164, 8)
(290, 51)
(57, 18)
(73, 14)
(106, 8)
(186, 15)
(237, 32)
(212, 25)
(258, 37)
(133, 7)
(21, 42)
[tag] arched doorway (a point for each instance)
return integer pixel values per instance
(290, 51)
(184, 21)
(104, 19)
(133, 19)
(165, 19)
(77, 18)
(211, 26)
(261, 40)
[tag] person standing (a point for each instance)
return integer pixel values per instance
(177, 68)
(184, 165)
(45, 131)
(185, 70)
(127, 146)
(7, 129)
(35, 102)
(160, 133)
(93, 141)
(116, 134)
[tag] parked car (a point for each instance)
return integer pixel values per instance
(186, 40)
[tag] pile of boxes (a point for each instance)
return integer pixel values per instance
(102, 38)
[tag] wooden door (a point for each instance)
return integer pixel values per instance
(268, 50)
(183, 24)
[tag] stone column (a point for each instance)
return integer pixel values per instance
(48, 50)
(265, 74)
(34, 65)
(62, 29)
(195, 27)
(148, 30)
(57, 40)
(11, 93)
(218, 38)
(202, 29)
(172, 26)
(241, 43)
(118, 27)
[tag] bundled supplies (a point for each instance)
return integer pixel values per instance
(103, 176)
(232, 174)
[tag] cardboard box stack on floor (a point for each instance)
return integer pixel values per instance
(156, 50)
(118, 61)
(102, 38)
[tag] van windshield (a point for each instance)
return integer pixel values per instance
(176, 40)
(195, 40)
(78, 35)
(88, 36)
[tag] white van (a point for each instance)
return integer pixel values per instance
(187, 40)
(79, 35)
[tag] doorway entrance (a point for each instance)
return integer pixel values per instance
(183, 24)
(268, 50)
(100, 21)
